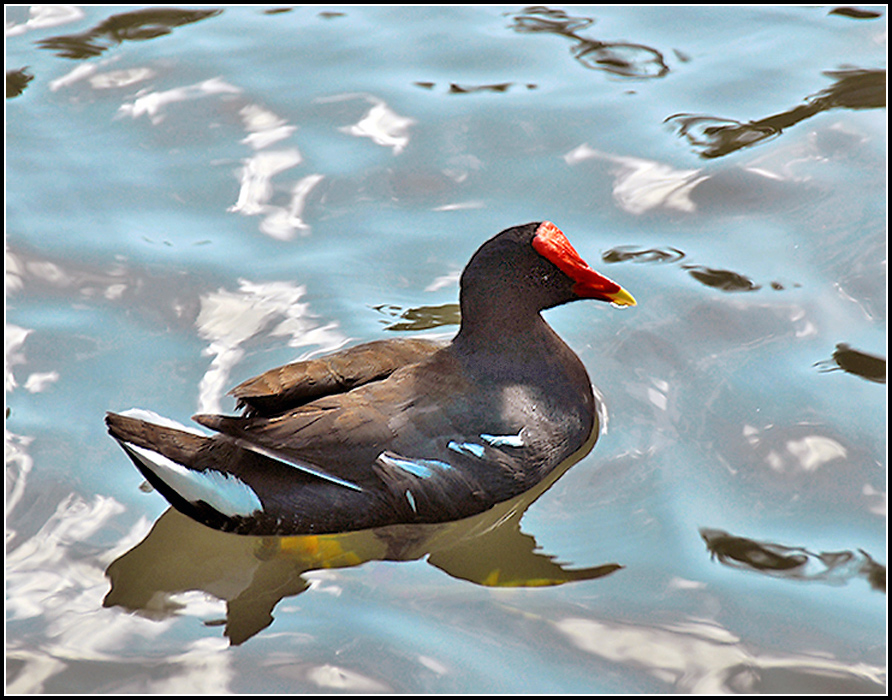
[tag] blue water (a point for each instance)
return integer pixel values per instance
(193, 198)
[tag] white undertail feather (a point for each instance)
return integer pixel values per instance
(223, 492)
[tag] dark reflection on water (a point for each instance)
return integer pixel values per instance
(862, 364)
(622, 59)
(252, 574)
(543, 19)
(456, 89)
(796, 563)
(713, 137)
(138, 25)
(281, 11)
(17, 81)
(462, 90)
(421, 317)
(802, 679)
(855, 13)
(628, 253)
(723, 280)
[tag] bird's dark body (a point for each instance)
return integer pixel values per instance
(395, 431)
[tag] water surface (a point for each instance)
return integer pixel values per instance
(194, 196)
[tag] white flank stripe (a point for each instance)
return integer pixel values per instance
(308, 468)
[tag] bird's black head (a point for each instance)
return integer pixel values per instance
(528, 268)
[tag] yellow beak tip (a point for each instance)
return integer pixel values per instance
(623, 298)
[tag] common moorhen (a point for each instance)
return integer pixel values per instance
(398, 431)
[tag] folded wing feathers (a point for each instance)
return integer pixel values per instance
(297, 383)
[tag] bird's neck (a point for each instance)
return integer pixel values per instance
(519, 343)
(531, 355)
(499, 326)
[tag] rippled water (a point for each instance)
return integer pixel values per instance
(196, 196)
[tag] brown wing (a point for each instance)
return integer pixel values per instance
(283, 388)
(343, 434)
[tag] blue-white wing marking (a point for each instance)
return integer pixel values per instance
(417, 467)
(422, 468)
(475, 449)
(504, 440)
(469, 449)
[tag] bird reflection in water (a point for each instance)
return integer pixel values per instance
(252, 574)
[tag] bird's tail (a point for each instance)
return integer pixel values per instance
(174, 443)
(184, 467)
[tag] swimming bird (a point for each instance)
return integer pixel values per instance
(397, 431)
